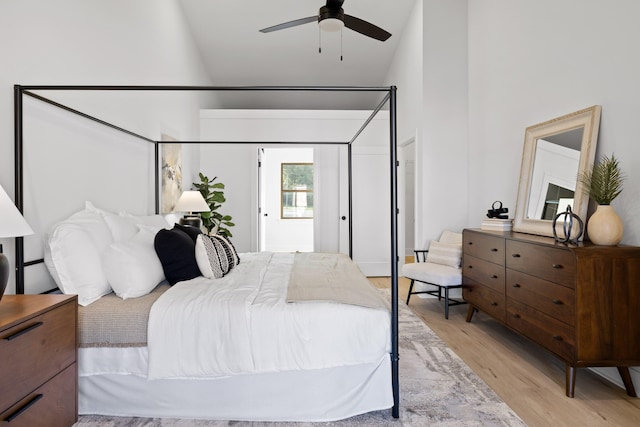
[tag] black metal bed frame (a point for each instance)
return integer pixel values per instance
(21, 90)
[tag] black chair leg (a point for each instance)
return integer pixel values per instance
(446, 303)
(410, 290)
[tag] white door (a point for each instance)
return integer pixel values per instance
(371, 201)
(286, 218)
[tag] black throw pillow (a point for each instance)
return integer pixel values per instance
(190, 230)
(176, 251)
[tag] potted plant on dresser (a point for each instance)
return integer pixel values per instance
(603, 184)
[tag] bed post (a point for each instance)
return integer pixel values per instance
(17, 124)
(394, 253)
(156, 168)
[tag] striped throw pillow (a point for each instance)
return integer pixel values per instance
(445, 253)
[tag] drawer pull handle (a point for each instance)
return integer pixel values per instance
(516, 315)
(494, 303)
(515, 255)
(558, 266)
(494, 250)
(23, 408)
(557, 338)
(557, 302)
(470, 266)
(494, 277)
(470, 243)
(24, 331)
(516, 285)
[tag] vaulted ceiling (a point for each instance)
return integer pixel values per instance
(235, 52)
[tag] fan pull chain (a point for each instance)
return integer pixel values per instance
(340, 45)
(319, 40)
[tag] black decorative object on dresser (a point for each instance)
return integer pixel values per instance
(38, 349)
(580, 302)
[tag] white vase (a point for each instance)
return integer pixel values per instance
(605, 227)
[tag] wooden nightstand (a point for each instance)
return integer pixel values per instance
(38, 354)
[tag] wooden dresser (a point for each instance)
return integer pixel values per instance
(581, 302)
(38, 353)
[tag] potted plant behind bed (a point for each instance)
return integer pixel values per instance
(213, 193)
(603, 184)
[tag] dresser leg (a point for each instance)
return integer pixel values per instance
(570, 380)
(470, 312)
(627, 380)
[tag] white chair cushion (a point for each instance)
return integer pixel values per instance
(450, 237)
(438, 274)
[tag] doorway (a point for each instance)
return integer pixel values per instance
(285, 205)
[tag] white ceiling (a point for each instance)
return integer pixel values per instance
(237, 54)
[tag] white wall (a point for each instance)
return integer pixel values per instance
(533, 61)
(117, 42)
(430, 70)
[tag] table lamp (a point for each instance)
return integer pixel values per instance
(12, 224)
(191, 202)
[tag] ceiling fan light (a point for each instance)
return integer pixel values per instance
(331, 25)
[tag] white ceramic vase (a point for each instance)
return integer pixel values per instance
(605, 227)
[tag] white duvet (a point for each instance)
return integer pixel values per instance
(242, 324)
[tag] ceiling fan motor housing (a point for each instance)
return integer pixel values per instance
(328, 13)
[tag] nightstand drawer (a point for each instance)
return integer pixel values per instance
(490, 248)
(549, 263)
(48, 406)
(35, 350)
(552, 299)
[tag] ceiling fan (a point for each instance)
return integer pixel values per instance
(332, 18)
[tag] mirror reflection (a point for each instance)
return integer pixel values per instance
(553, 179)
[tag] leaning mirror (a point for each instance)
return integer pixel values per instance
(555, 153)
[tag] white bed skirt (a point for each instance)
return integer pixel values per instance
(313, 395)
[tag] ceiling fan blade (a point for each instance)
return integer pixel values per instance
(366, 28)
(290, 24)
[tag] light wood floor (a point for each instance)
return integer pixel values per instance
(529, 379)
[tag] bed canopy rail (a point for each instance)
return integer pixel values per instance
(389, 98)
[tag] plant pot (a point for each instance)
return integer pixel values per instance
(605, 227)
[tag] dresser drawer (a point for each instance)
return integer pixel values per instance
(552, 334)
(51, 405)
(552, 299)
(487, 300)
(484, 272)
(35, 350)
(483, 246)
(549, 263)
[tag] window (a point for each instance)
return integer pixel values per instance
(296, 182)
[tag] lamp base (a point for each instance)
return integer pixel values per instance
(4, 273)
(192, 220)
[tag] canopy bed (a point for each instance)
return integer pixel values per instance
(300, 351)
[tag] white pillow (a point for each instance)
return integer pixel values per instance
(72, 255)
(132, 267)
(156, 221)
(445, 253)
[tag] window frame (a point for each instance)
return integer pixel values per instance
(283, 190)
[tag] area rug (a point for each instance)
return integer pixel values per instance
(436, 389)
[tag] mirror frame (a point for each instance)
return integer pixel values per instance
(589, 118)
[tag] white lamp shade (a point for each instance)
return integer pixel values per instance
(12, 224)
(191, 201)
(331, 25)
